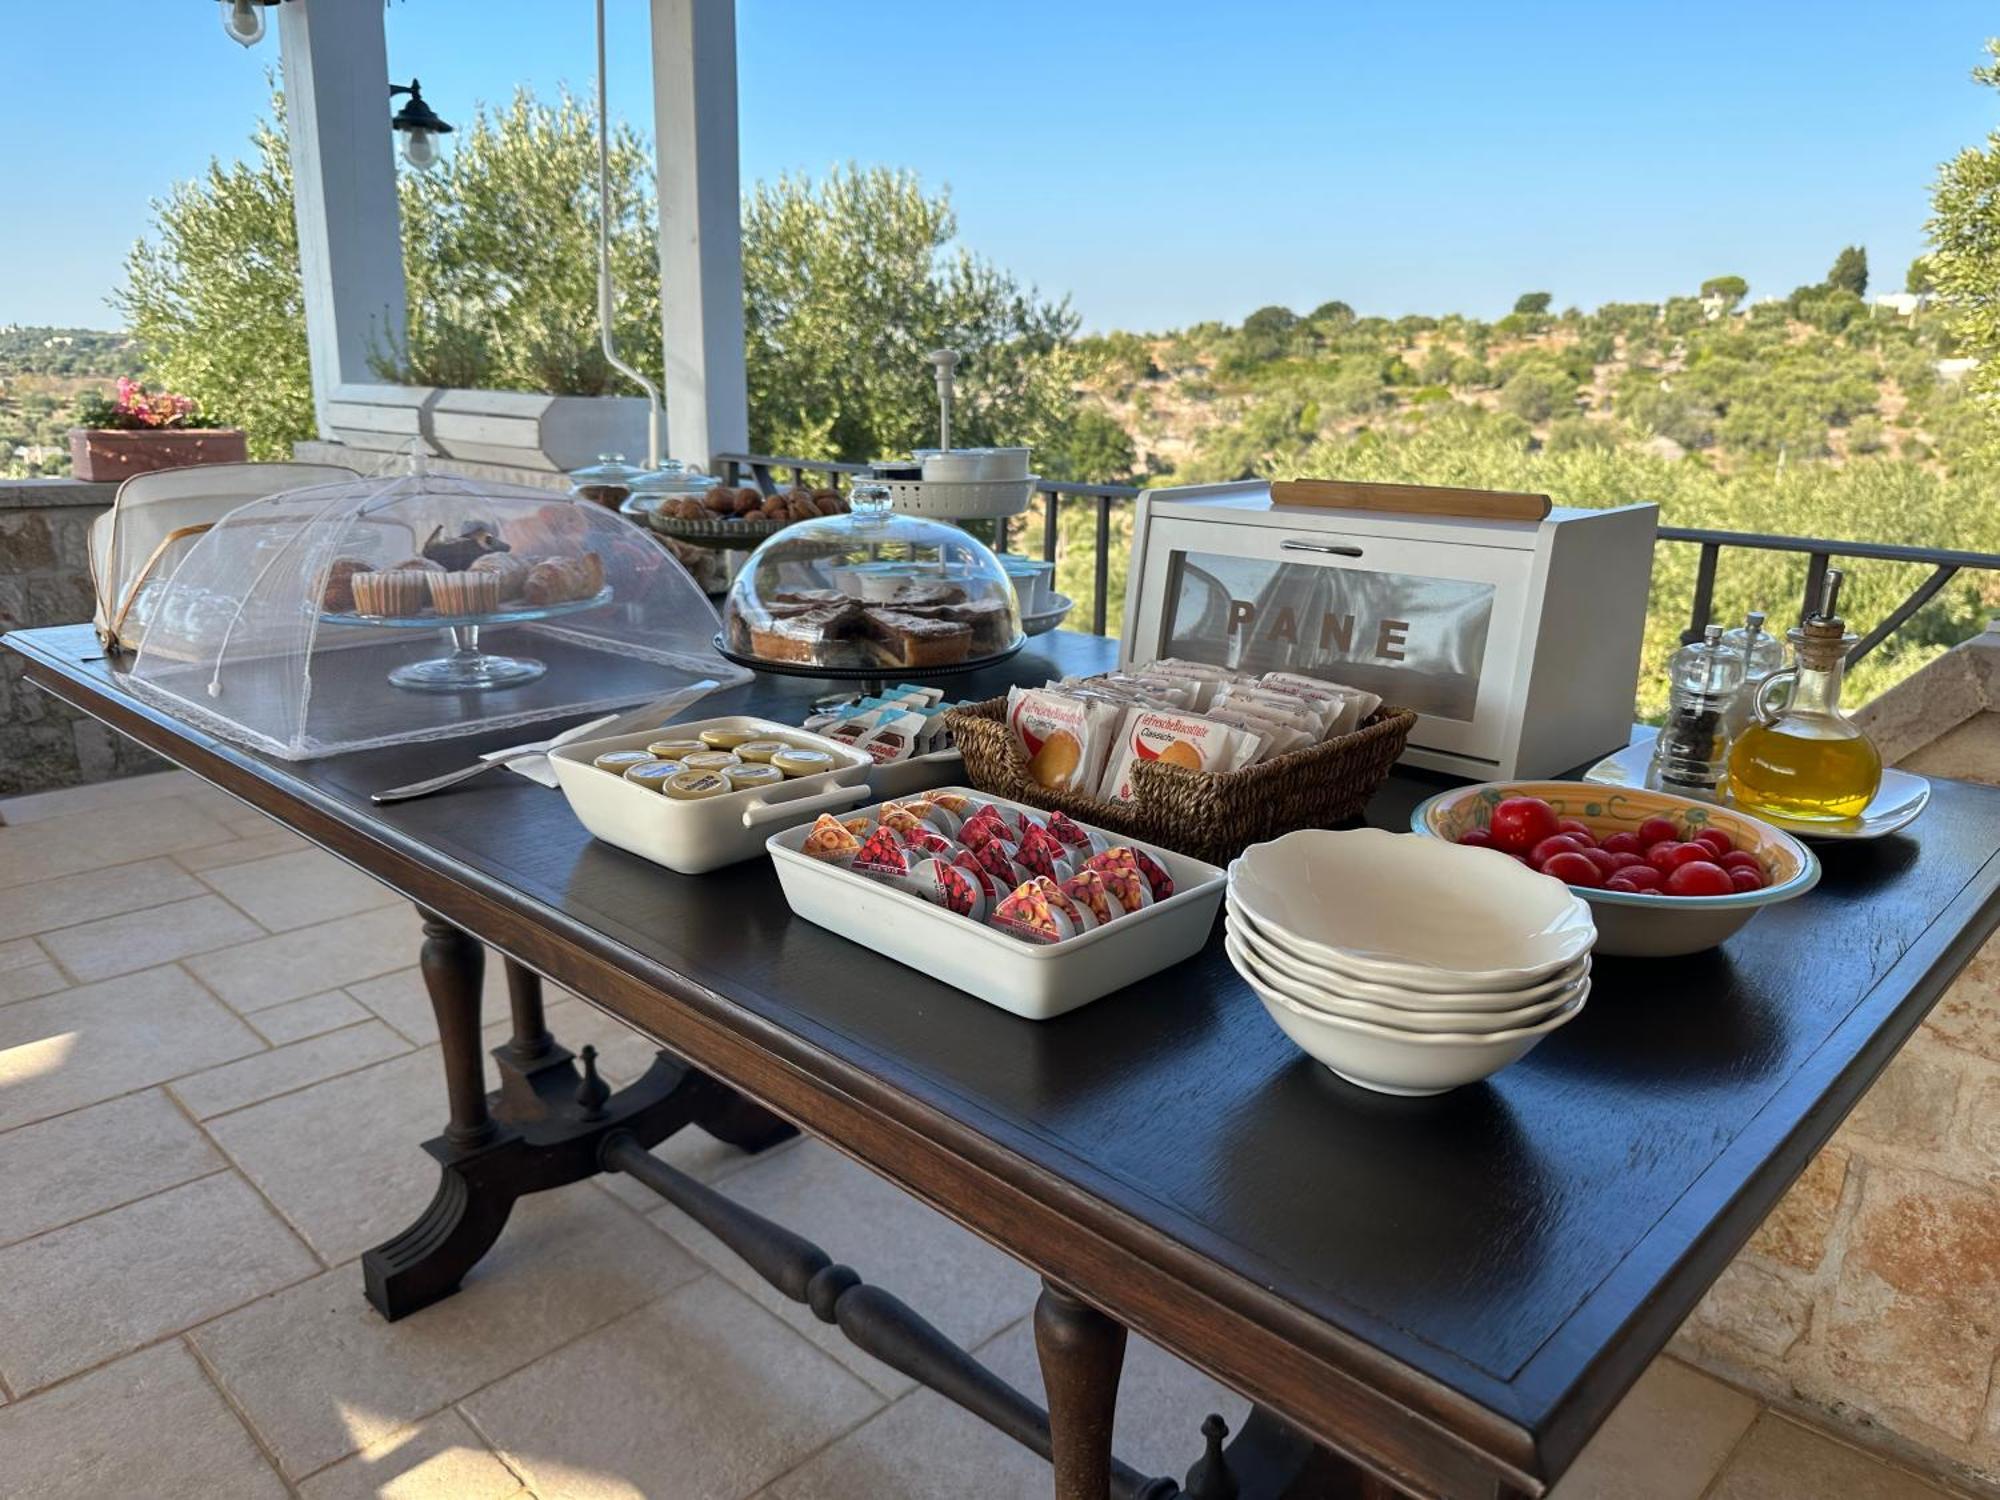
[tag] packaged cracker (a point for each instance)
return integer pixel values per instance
(1311, 716)
(1278, 736)
(1064, 737)
(1204, 677)
(1361, 703)
(1190, 740)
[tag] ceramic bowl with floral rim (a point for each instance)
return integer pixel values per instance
(1642, 924)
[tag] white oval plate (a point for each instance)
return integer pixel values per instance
(1902, 796)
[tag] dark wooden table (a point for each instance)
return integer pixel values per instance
(1453, 1293)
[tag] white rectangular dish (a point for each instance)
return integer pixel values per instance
(1038, 981)
(695, 837)
(894, 780)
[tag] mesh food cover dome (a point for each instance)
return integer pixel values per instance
(377, 611)
(871, 591)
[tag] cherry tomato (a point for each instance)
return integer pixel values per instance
(1716, 839)
(1548, 848)
(1640, 876)
(1623, 843)
(1520, 823)
(1579, 830)
(1620, 860)
(1607, 864)
(1657, 831)
(1477, 838)
(1700, 877)
(1572, 868)
(1666, 858)
(1745, 880)
(1741, 859)
(1618, 882)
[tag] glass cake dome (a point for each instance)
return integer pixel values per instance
(372, 612)
(868, 593)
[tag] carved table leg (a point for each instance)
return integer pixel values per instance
(454, 969)
(540, 1131)
(1082, 1352)
(531, 1037)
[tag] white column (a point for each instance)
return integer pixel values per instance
(701, 231)
(336, 70)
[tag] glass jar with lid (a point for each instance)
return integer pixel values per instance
(607, 482)
(674, 486)
(872, 591)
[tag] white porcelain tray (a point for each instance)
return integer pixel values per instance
(695, 837)
(894, 780)
(1037, 981)
(1902, 796)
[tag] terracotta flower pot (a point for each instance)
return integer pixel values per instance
(111, 454)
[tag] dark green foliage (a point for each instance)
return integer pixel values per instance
(1850, 271)
(1533, 304)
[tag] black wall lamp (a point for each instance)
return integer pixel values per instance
(419, 126)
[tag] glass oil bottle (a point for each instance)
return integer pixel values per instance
(1691, 754)
(1806, 762)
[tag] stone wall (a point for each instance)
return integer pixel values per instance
(45, 580)
(1871, 1296)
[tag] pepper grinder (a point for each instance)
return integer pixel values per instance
(1691, 754)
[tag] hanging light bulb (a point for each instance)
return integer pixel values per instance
(420, 149)
(419, 126)
(243, 20)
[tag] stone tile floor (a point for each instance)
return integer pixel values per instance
(216, 1065)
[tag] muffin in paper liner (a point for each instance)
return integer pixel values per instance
(465, 593)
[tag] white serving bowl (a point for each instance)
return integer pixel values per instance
(1273, 954)
(1414, 912)
(1402, 1062)
(1247, 957)
(1642, 924)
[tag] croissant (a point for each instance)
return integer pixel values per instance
(558, 580)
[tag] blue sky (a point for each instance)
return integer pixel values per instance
(1159, 163)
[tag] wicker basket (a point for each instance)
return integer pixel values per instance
(1209, 815)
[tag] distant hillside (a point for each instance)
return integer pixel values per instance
(44, 373)
(1819, 377)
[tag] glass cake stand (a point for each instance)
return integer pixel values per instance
(468, 669)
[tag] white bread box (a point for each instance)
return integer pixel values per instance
(1517, 642)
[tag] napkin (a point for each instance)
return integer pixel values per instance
(651, 716)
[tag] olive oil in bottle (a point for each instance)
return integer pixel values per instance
(1807, 762)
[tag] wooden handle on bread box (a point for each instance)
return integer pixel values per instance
(1409, 499)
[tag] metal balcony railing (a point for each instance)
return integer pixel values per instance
(1944, 563)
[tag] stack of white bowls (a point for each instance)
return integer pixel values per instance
(1405, 964)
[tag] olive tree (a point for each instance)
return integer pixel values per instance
(848, 282)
